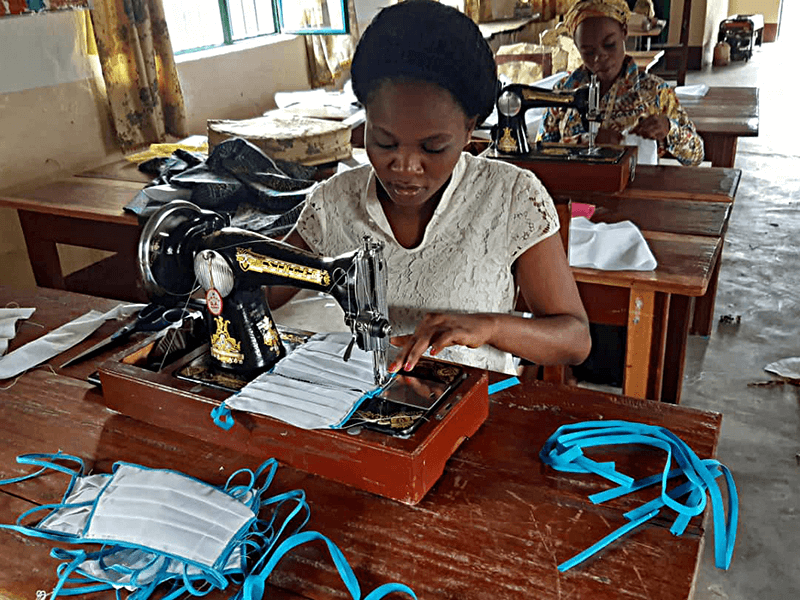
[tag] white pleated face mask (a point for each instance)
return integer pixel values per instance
(167, 512)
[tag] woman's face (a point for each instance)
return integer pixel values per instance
(601, 42)
(414, 136)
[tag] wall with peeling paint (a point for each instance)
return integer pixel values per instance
(54, 119)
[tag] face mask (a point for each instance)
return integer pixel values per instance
(311, 388)
(159, 525)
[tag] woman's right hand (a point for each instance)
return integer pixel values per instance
(608, 136)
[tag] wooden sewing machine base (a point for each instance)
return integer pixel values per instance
(561, 168)
(403, 469)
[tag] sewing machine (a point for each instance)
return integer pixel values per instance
(183, 249)
(561, 167)
(183, 246)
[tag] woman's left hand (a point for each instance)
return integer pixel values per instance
(654, 127)
(439, 330)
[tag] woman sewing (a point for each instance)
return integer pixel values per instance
(631, 100)
(461, 233)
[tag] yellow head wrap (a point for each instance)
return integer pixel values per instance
(587, 9)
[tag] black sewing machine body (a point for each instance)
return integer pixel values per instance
(428, 412)
(514, 100)
(561, 167)
(183, 248)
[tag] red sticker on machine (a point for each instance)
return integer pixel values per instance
(214, 302)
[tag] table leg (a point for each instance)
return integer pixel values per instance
(641, 317)
(42, 251)
(703, 320)
(720, 149)
(680, 317)
(44, 231)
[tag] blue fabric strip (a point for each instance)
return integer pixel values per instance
(564, 452)
(499, 386)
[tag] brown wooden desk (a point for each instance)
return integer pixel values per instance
(87, 212)
(684, 183)
(669, 198)
(495, 526)
(656, 307)
(721, 117)
(121, 170)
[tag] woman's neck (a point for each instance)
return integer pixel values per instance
(409, 223)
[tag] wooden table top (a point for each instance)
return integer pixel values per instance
(689, 217)
(121, 170)
(495, 525)
(79, 197)
(685, 265)
(688, 183)
(725, 110)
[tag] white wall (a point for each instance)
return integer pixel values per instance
(55, 121)
(367, 9)
(771, 9)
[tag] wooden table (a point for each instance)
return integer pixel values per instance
(656, 307)
(721, 117)
(86, 212)
(687, 192)
(684, 183)
(495, 526)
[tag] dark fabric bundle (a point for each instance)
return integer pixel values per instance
(237, 178)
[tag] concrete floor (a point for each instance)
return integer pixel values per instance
(759, 281)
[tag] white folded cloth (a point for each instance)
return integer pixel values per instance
(648, 149)
(311, 388)
(785, 367)
(59, 340)
(608, 246)
(687, 92)
(8, 324)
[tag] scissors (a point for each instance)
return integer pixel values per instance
(152, 317)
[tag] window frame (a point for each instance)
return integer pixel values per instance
(279, 24)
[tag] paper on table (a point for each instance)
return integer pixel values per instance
(608, 246)
(58, 340)
(8, 322)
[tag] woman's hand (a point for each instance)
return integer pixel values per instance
(608, 136)
(440, 330)
(654, 127)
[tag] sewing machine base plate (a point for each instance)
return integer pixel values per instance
(401, 467)
(569, 168)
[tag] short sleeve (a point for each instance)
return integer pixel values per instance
(311, 223)
(532, 215)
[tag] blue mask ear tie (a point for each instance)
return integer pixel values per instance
(564, 452)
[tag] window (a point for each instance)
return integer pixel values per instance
(199, 24)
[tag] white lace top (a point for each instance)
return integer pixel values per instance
(490, 213)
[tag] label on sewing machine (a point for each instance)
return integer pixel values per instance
(214, 302)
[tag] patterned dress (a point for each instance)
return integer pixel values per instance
(633, 95)
(491, 212)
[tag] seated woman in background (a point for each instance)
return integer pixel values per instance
(631, 100)
(461, 233)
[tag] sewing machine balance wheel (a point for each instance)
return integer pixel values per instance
(165, 265)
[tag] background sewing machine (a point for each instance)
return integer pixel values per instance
(184, 249)
(561, 167)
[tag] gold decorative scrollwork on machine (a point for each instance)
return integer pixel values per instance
(223, 347)
(251, 261)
